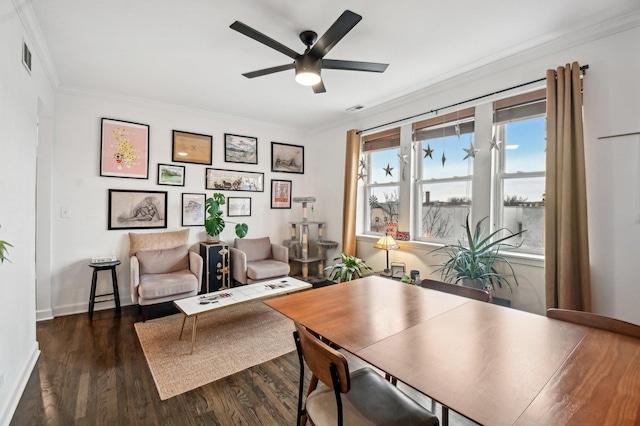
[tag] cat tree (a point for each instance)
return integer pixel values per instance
(307, 246)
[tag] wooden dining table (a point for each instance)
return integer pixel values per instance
(492, 364)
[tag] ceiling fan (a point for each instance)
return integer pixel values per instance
(309, 64)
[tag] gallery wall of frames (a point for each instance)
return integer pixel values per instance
(125, 153)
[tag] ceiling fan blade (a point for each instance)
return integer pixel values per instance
(266, 40)
(335, 64)
(319, 88)
(271, 70)
(334, 34)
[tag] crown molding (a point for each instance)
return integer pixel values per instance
(521, 55)
(39, 45)
(147, 103)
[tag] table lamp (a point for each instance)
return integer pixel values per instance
(386, 243)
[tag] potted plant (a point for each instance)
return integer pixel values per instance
(214, 223)
(348, 268)
(473, 264)
(4, 251)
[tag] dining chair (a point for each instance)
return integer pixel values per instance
(595, 321)
(471, 293)
(362, 397)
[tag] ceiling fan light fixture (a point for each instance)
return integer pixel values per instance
(308, 71)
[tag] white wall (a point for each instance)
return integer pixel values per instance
(77, 184)
(20, 94)
(611, 93)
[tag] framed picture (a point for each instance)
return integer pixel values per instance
(397, 269)
(191, 148)
(234, 180)
(169, 174)
(287, 158)
(280, 194)
(124, 149)
(193, 209)
(238, 206)
(240, 149)
(130, 209)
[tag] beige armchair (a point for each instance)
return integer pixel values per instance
(257, 259)
(162, 267)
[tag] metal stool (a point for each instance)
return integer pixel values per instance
(114, 279)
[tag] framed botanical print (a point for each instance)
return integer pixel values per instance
(169, 174)
(287, 158)
(193, 209)
(191, 148)
(240, 149)
(129, 209)
(280, 194)
(124, 149)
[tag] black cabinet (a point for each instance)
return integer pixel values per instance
(215, 271)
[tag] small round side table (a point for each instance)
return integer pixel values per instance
(105, 266)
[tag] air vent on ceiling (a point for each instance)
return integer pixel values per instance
(355, 108)
(26, 56)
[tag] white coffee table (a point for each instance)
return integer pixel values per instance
(204, 303)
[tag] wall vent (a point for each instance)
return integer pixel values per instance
(26, 56)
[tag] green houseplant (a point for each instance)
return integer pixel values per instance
(214, 223)
(473, 264)
(348, 268)
(4, 251)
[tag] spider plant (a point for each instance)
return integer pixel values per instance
(214, 223)
(475, 260)
(348, 268)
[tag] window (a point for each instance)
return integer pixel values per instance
(383, 171)
(443, 174)
(486, 161)
(520, 165)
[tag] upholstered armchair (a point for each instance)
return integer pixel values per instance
(258, 259)
(162, 267)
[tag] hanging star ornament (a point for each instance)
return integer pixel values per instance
(388, 170)
(363, 164)
(428, 152)
(457, 130)
(403, 158)
(444, 159)
(471, 152)
(362, 175)
(495, 144)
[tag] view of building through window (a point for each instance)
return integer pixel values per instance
(442, 161)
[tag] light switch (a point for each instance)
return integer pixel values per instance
(65, 212)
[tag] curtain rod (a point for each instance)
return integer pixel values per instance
(583, 69)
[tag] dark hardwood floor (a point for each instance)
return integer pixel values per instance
(94, 372)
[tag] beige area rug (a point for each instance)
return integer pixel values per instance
(227, 341)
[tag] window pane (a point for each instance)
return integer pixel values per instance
(379, 161)
(444, 209)
(383, 207)
(452, 147)
(525, 145)
(524, 209)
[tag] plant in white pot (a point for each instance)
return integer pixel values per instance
(347, 269)
(473, 264)
(214, 223)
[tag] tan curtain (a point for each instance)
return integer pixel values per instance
(567, 275)
(350, 193)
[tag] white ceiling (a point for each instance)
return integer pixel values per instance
(184, 53)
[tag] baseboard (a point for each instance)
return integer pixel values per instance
(9, 407)
(44, 314)
(83, 308)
